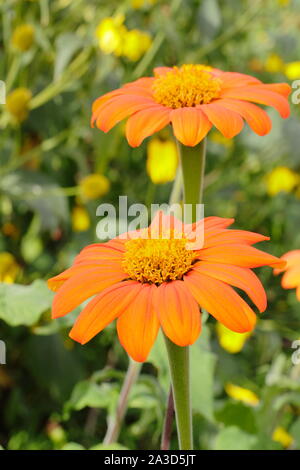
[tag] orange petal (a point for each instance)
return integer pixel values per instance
(227, 122)
(221, 301)
(235, 79)
(139, 325)
(292, 258)
(81, 286)
(242, 278)
(239, 255)
(178, 313)
(291, 278)
(145, 123)
(213, 222)
(282, 88)
(116, 109)
(190, 125)
(112, 250)
(114, 266)
(298, 293)
(55, 282)
(103, 309)
(257, 118)
(216, 237)
(142, 87)
(260, 95)
(104, 98)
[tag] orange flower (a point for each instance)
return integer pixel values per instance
(291, 277)
(193, 98)
(149, 279)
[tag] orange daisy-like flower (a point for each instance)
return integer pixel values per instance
(152, 278)
(193, 98)
(291, 277)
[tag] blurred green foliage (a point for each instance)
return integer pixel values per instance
(56, 394)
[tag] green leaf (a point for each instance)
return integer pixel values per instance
(203, 363)
(55, 369)
(237, 414)
(66, 46)
(233, 438)
(142, 396)
(90, 394)
(23, 305)
(40, 193)
(158, 357)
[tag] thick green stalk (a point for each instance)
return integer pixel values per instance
(192, 161)
(179, 370)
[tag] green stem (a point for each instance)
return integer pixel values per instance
(115, 421)
(179, 370)
(192, 161)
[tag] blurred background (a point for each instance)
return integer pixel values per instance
(56, 57)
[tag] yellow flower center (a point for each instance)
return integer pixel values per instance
(186, 86)
(157, 260)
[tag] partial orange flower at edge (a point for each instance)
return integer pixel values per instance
(128, 286)
(291, 276)
(207, 97)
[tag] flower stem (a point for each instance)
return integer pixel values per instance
(192, 161)
(179, 370)
(115, 422)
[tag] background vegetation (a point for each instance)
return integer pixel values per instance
(56, 57)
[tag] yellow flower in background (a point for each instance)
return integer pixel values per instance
(9, 268)
(284, 3)
(136, 43)
(115, 38)
(231, 341)
(281, 179)
(110, 33)
(23, 37)
(292, 70)
(282, 436)
(94, 186)
(142, 3)
(17, 103)
(80, 219)
(242, 394)
(218, 138)
(162, 160)
(274, 63)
